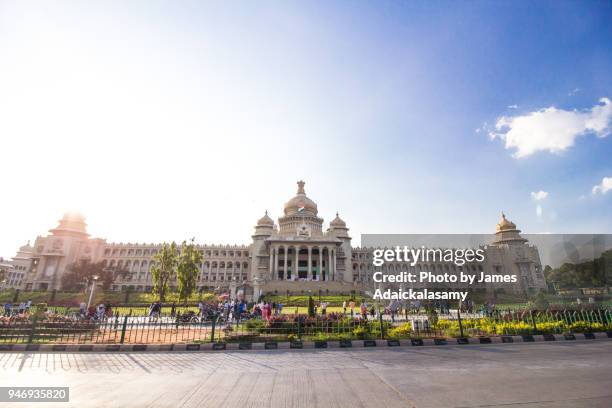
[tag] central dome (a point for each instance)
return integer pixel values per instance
(300, 203)
(504, 224)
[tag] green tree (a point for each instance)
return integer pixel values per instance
(596, 272)
(164, 266)
(187, 270)
(80, 275)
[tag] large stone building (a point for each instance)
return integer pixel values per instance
(295, 254)
(14, 272)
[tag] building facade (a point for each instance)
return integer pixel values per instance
(16, 271)
(296, 254)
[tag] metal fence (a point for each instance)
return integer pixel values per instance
(130, 329)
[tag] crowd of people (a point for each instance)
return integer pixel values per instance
(225, 309)
(14, 309)
(99, 312)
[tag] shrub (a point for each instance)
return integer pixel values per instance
(255, 324)
(360, 332)
(582, 326)
(403, 331)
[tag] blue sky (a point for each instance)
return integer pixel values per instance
(384, 108)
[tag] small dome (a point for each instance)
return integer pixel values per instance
(504, 224)
(73, 222)
(25, 248)
(337, 222)
(265, 220)
(300, 203)
(74, 216)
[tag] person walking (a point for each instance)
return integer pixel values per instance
(7, 309)
(352, 307)
(101, 311)
(173, 310)
(364, 310)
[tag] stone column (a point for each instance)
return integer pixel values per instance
(309, 269)
(274, 263)
(294, 272)
(329, 263)
(271, 262)
(285, 271)
(320, 263)
(334, 258)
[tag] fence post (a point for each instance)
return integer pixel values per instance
(299, 327)
(380, 319)
(212, 335)
(32, 332)
(123, 328)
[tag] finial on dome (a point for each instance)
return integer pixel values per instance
(301, 187)
(337, 214)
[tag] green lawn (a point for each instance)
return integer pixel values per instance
(75, 298)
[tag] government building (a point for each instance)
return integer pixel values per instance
(295, 254)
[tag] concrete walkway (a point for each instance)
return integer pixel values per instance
(568, 374)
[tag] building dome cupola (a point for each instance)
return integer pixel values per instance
(301, 204)
(338, 227)
(265, 221)
(507, 233)
(337, 222)
(265, 226)
(73, 223)
(504, 224)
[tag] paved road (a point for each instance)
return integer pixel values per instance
(516, 375)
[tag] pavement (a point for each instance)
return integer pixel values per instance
(546, 374)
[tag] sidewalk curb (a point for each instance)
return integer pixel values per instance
(238, 347)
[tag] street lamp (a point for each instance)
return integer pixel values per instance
(93, 285)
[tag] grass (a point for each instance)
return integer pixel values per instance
(72, 299)
(75, 298)
(302, 300)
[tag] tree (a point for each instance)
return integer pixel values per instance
(596, 272)
(80, 275)
(164, 265)
(187, 269)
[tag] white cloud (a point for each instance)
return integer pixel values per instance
(574, 92)
(539, 196)
(512, 106)
(551, 129)
(604, 186)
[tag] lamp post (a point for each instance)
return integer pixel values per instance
(93, 285)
